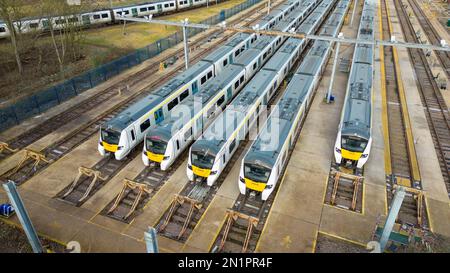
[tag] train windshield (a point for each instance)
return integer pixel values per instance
(202, 160)
(156, 145)
(110, 137)
(354, 144)
(256, 173)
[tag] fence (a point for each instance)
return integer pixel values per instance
(45, 99)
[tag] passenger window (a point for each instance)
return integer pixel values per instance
(151, 8)
(236, 85)
(105, 15)
(178, 145)
(143, 9)
(232, 145)
(32, 25)
(203, 80)
(221, 100)
(184, 95)
(241, 80)
(96, 16)
(209, 74)
(172, 4)
(225, 62)
(223, 158)
(145, 125)
(236, 53)
(172, 104)
(254, 66)
(127, 12)
(2, 29)
(188, 134)
(166, 5)
(133, 137)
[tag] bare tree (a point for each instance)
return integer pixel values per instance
(11, 11)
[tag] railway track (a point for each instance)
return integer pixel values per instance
(432, 34)
(404, 169)
(34, 162)
(30, 136)
(187, 208)
(434, 105)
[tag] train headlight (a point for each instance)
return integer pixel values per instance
(100, 143)
(120, 148)
(364, 155)
(242, 179)
(338, 150)
(166, 157)
(213, 172)
(269, 187)
(189, 167)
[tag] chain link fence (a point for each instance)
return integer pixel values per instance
(45, 99)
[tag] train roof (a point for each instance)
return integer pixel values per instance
(357, 115)
(174, 122)
(144, 105)
(312, 62)
(225, 49)
(141, 4)
(264, 151)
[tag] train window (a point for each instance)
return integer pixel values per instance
(236, 85)
(225, 62)
(178, 145)
(127, 12)
(254, 66)
(184, 95)
(145, 125)
(221, 100)
(172, 104)
(223, 158)
(32, 25)
(241, 79)
(209, 74)
(236, 53)
(119, 13)
(59, 21)
(143, 9)
(232, 145)
(105, 15)
(151, 8)
(188, 134)
(72, 20)
(96, 16)
(166, 5)
(133, 137)
(2, 29)
(172, 4)
(203, 80)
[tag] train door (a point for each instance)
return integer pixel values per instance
(159, 8)
(46, 24)
(134, 12)
(194, 87)
(191, 3)
(86, 20)
(159, 115)
(229, 93)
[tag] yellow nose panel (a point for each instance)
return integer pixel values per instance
(110, 147)
(351, 155)
(256, 186)
(200, 172)
(155, 157)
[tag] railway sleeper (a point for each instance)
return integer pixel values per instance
(343, 190)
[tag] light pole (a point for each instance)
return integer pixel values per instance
(336, 55)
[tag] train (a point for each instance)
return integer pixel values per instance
(175, 134)
(354, 138)
(121, 134)
(264, 163)
(99, 17)
(220, 141)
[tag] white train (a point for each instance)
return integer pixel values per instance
(125, 131)
(166, 141)
(264, 163)
(354, 138)
(98, 17)
(211, 153)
